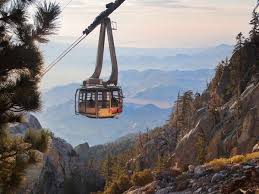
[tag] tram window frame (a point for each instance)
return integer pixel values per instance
(116, 94)
(88, 96)
(100, 96)
(81, 99)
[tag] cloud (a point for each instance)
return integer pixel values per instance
(175, 4)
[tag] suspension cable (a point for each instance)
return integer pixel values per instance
(64, 7)
(110, 8)
(63, 54)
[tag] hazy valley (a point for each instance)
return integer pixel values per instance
(147, 94)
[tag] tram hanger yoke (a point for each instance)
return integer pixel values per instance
(95, 78)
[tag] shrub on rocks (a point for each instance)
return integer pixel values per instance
(142, 178)
(39, 139)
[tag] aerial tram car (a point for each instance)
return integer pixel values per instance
(98, 98)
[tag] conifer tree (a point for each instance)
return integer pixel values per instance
(255, 26)
(20, 66)
(237, 69)
(187, 111)
(176, 117)
(20, 57)
(107, 169)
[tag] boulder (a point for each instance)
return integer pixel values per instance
(217, 177)
(31, 122)
(82, 148)
(199, 170)
(256, 148)
(191, 168)
(148, 189)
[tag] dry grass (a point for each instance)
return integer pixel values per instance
(252, 156)
(220, 163)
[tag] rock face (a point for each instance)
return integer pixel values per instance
(208, 139)
(63, 170)
(82, 148)
(228, 137)
(21, 128)
(60, 170)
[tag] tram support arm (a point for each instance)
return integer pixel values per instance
(110, 8)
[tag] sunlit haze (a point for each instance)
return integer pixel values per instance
(144, 24)
(162, 23)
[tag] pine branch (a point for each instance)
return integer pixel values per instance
(45, 21)
(7, 155)
(14, 14)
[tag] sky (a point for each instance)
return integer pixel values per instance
(146, 24)
(161, 23)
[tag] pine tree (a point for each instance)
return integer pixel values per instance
(20, 57)
(161, 164)
(20, 66)
(176, 115)
(200, 147)
(187, 111)
(255, 26)
(215, 81)
(181, 118)
(237, 70)
(107, 171)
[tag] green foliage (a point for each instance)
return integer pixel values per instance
(142, 178)
(113, 189)
(20, 68)
(12, 160)
(119, 186)
(113, 167)
(162, 163)
(255, 26)
(107, 171)
(123, 183)
(39, 139)
(218, 74)
(96, 156)
(34, 156)
(201, 148)
(221, 163)
(181, 119)
(15, 176)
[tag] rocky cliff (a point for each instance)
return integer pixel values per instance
(234, 127)
(59, 170)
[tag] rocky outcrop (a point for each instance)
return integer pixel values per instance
(230, 136)
(157, 143)
(31, 122)
(63, 170)
(59, 170)
(224, 119)
(211, 138)
(82, 148)
(236, 178)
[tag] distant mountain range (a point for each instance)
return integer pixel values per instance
(81, 61)
(148, 96)
(162, 86)
(78, 129)
(150, 86)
